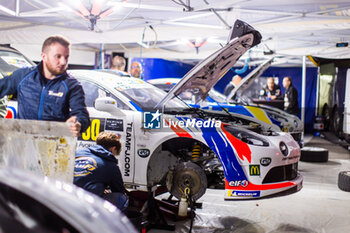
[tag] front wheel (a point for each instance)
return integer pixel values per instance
(188, 175)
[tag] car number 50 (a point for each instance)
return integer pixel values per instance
(93, 131)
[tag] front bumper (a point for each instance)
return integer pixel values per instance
(252, 191)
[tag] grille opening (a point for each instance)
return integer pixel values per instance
(281, 173)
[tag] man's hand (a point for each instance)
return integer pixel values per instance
(74, 125)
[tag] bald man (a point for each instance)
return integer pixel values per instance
(271, 91)
(135, 69)
(118, 63)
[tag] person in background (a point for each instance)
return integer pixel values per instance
(290, 97)
(234, 82)
(135, 69)
(118, 63)
(271, 91)
(46, 91)
(96, 170)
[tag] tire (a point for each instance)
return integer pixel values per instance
(314, 154)
(189, 175)
(336, 123)
(344, 181)
(325, 113)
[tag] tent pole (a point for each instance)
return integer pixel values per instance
(303, 90)
(102, 57)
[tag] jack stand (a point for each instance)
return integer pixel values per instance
(155, 218)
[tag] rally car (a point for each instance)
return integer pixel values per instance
(244, 93)
(218, 102)
(214, 101)
(167, 143)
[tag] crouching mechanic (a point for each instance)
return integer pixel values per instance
(96, 170)
(46, 91)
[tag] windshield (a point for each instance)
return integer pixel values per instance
(253, 89)
(11, 61)
(147, 98)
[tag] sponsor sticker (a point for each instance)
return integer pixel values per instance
(114, 124)
(232, 193)
(128, 144)
(265, 161)
(254, 170)
(143, 153)
(236, 183)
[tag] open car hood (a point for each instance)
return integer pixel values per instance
(246, 81)
(201, 78)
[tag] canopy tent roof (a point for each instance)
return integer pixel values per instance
(174, 28)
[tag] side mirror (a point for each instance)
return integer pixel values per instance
(108, 104)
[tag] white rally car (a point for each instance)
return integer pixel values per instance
(167, 143)
(243, 105)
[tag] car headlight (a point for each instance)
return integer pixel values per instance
(277, 117)
(295, 123)
(246, 136)
(284, 148)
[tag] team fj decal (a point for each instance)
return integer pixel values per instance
(127, 149)
(254, 170)
(232, 193)
(236, 183)
(143, 153)
(265, 161)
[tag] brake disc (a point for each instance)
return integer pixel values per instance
(188, 175)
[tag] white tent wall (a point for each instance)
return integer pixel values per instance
(289, 28)
(77, 57)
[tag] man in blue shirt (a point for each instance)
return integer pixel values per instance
(46, 91)
(96, 170)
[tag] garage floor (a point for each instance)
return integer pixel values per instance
(320, 206)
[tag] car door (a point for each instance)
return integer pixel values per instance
(105, 121)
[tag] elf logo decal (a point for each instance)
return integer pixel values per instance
(236, 183)
(143, 153)
(254, 170)
(128, 149)
(11, 113)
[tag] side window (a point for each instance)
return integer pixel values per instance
(93, 91)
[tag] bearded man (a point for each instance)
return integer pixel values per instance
(46, 91)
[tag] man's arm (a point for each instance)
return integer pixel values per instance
(77, 106)
(9, 84)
